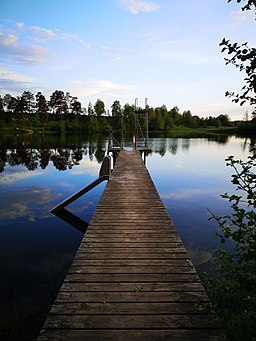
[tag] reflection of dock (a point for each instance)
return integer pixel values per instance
(131, 278)
(114, 149)
(118, 149)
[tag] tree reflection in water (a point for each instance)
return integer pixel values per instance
(66, 151)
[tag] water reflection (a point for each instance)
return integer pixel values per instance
(37, 172)
(173, 145)
(36, 152)
(26, 205)
(65, 152)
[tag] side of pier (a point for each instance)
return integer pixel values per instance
(131, 278)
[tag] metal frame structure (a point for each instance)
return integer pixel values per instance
(60, 210)
(137, 127)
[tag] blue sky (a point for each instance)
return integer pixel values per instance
(163, 50)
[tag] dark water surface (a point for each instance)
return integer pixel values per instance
(37, 172)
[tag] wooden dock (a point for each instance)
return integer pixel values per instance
(131, 278)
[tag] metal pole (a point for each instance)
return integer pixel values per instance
(146, 114)
(135, 122)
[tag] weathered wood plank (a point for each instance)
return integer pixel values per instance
(131, 269)
(130, 321)
(134, 335)
(166, 277)
(151, 245)
(131, 262)
(131, 286)
(153, 296)
(132, 237)
(138, 249)
(140, 254)
(152, 308)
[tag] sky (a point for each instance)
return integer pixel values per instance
(164, 50)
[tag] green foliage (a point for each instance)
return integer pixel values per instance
(248, 5)
(36, 119)
(244, 58)
(76, 107)
(25, 110)
(99, 107)
(61, 126)
(232, 288)
(42, 108)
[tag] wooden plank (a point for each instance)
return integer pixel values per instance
(140, 254)
(153, 296)
(152, 308)
(131, 278)
(131, 286)
(126, 239)
(131, 248)
(152, 278)
(131, 262)
(129, 334)
(133, 321)
(105, 244)
(131, 269)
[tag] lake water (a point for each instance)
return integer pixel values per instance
(37, 172)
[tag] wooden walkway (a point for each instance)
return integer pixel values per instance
(131, 278)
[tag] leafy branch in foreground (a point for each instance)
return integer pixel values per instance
(244, 58)
(247, 6)
(232, 287)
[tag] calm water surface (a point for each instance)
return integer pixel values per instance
(36, 173)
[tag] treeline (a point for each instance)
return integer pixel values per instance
(63, 112)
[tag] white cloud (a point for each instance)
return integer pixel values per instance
(15, 43)
(191, 192)
(16, 176)
(18, 77)
(136, 6)
(199, 256)
(7, 39)
(15, 82)
(20, 25)
(75, 38)
(20, 206)
(15, 210)
(42, 34)
(238, 17)
(116, 54)
(87, 166)
(13, 50)
(96, 87)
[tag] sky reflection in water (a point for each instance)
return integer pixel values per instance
(37, 247)
(190, 178)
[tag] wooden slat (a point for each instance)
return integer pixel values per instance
(130, 334)
(136, 296)
(133, 321)
(153, 308)
(131, 278)
(128, 286)
(135, 278)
